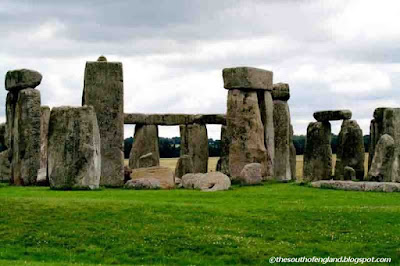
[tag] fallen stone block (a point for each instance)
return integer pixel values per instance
(162, 174)
(143, 183)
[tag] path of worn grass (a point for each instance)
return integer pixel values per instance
(241, 226)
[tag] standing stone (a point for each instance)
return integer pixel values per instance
(391, 126)
(11, 103)
(282, 165)
(148, 160)
(183, 166)
(26, 138)
(74, 156)
(223, 162)
(194, 142)
(5, 167)
(145, 142)
(292, 155)
(381, 167)
(376, 131)
(246, 131)
(372, 142)
(267, 117)
(350, 150)
(44, 135)
(318, 152)
(103, 89)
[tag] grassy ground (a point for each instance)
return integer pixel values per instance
(245, 225)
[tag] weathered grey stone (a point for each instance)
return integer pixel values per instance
(183, 166)
(174, 119)
(44, 136)
(26, 138)
(318, 152)
(223, 162)
(281, 92)
(246, 131)
(391, 126)
(102, 58)
(163, 174)
(74, 156)
(372, 142)
(103, 89)
(332, 115)
(148, 160)
(22, 79)
(213, 181)
(3, 140)
(266, 105)
(381, 166)
(251, 174)
(349, 173)
(247, 78)
(143, 183)
(178, 182)
(282, 167)
(42, 179)
(145, 142)
(194, 142)
(357, 186)
(292, 155)
(5, 167)
(350, 150)
(378, 113)
(11, 103)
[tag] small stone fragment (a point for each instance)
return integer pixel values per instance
(143, 183)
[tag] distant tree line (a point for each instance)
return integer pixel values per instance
(170, 147)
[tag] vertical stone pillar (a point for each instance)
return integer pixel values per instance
(382, 164)
(23, 125)
(371, 149)
(74, 156)
(266, 104)
(292, 154)
(103, 89)
(5, 168)
(244, 120)
(223, 162)
(376, 131)
(350, 150)
(145, 143)
(282, 166)
(391, 126)
(42, 177)
(194, 142)
(318, 152)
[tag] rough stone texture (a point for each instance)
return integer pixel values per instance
(163, 174)
(247, 78)
(74, 156)
(44, 136)
(391, 126)
(183, 166)
(292, 155)
(266, 105)
(372, 142)
(251, 174)
(145, 142)
(349, 173)
(22, 79)
(11, 103)
(357, 186)
(143, 183)
(213, 181)
(223, 161)
(3, 139)
(381, 166)
(42, 179)
(103, 89)
(318, 152)
(178, 182)
(282, 167)
(148, 160)
(194, 142)
(332, 115)
(350, 150)
(246, 131)
(26, 138)
(5, 166)
(174, 119)
(281, 92)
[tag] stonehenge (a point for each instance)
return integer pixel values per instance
(104, 90)
(82, 147)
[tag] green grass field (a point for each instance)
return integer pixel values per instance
(245, 225)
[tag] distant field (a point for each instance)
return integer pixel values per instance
(212, 163)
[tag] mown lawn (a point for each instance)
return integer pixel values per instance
(245, 225)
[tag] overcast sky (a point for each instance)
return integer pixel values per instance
(334, 54)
